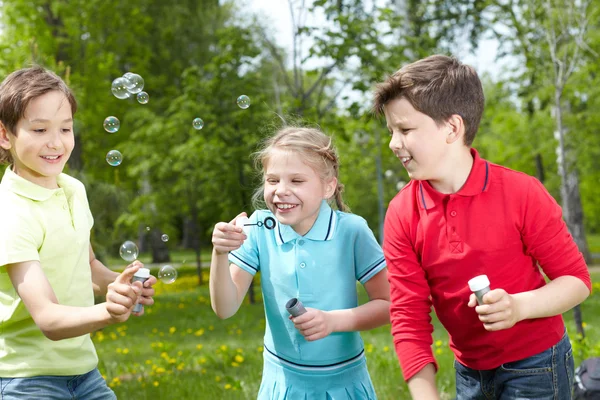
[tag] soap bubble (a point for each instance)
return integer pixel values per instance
(243, 101)
(142, 98)
(148, 228)
(164, 238)
(119, 88)
(389, 173)
(135, 82)
(128, 251)
(114, 158)
(197, 123)
(167, 274)
(111, 124)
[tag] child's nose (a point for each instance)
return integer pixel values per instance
(54, 141)
(395, 142)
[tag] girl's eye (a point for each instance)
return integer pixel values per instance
(66, 130)
(272, 181)
(39, 130)
(405, 131)
(297, 181)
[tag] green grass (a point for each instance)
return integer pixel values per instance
(181, 350)
(594, 244)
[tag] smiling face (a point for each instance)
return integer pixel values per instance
(418, 142)
(43, 139)
(293, 191)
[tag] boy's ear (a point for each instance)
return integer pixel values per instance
(457, 128)
(4, 139)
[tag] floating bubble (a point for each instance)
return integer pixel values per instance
(197, 123)
(114, 158)
(164, 238)
(111, 124)
(389, 173)
(167, 274)
(142, 98)
(119, 88)
(128, 251)
(243, 101)
(135, 83)
(148, 228)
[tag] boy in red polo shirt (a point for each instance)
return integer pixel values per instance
(462, 216)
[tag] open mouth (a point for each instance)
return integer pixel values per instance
(284, 207)
(405, 160)
(51, 158)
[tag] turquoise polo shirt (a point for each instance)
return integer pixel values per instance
(53, 227)
(321, 269)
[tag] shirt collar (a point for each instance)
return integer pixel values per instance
(28, 189)
(322, 229)
(477, 182)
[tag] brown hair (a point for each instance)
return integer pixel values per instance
(438, 86)
(317, 151)
(18, 89)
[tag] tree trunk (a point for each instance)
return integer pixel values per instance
(160, 251)
(571, 199)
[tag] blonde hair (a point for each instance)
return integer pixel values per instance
(316, 150)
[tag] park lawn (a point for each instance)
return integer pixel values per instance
(181, 350)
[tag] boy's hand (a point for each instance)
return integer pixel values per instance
(122, 295)
(227, 237)
(499, 311)
(314, 324)
(147, 293)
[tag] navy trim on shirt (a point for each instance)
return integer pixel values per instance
(316, 366)
(371, 269)
(486, 177)
(329, 227)
(244, 262)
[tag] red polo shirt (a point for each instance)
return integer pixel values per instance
(501, 223)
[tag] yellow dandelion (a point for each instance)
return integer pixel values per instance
(148, 362)
(217, 378)
(199, 332)
(260, 349)
(181, 305)
(199, 346)
(180, 367)
(439, 351)
(239, 331)
(386, 348)
(227, 386)
(234, 364)
(113, 336)
(203, 370)
(172, 361)
(223, 347)
(211, 328)
(154, 330)
(239, 350)
(189, 330)
(125, 351)
(202, 360)
(119, 350)
(438, 343)
(583, 324)
(160, 370)
(239, 358)
(172, 330)
(155, 383)
(180, 353)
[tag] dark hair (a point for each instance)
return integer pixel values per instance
(19, 88)
(438, 86)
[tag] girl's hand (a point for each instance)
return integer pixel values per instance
(314, 324)
(499, 311)
(227, 237)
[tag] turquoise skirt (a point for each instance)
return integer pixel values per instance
(286, 381)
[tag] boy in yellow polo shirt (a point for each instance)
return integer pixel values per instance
(48, 272)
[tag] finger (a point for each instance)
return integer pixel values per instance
(224, 227)
(242, 214)
(493, 318)
(147, 301)
(472, 300)
(119, 300)
(493, 296)
(150, 282)
(127, 274)
(132, 291)
(117, 309)
(299, 320)
(314, 337)
(497, 326)
(311, 331)
(147, 292)
(139, 314)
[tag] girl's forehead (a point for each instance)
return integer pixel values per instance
(286, 161)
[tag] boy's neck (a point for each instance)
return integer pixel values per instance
(48, 182)
(455, 175)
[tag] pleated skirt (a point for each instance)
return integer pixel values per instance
(284, 381)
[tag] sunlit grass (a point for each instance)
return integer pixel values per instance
(181, 350)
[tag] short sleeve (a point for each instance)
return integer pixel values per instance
(20, 234)
(246, 257)
(368, 255)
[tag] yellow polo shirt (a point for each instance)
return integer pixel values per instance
(53, 227)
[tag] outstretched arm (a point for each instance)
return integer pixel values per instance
(58, 321)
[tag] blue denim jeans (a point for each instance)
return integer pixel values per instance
(90, 386)
(545, 376)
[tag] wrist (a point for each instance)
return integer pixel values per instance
(334, 320)
(522, 306)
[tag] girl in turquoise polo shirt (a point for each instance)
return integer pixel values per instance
(304, 249)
